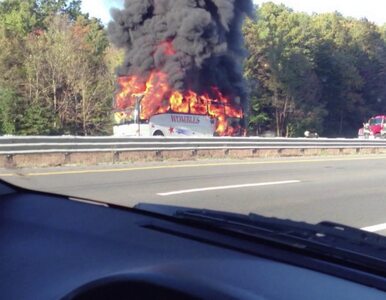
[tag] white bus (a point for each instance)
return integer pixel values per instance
(167, 124)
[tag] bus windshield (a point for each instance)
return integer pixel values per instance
(127, 116)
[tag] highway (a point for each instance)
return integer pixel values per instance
(348, 189)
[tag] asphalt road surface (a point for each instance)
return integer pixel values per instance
(349, 190)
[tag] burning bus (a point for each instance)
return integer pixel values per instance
(152, 108)
(182, 73)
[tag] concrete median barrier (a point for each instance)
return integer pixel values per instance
(21, 152)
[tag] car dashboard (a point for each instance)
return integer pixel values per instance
(53, 247)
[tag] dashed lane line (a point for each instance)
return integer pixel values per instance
(227, 187)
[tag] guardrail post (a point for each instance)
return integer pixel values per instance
(9, 162)
(67, 158)
(116, 157)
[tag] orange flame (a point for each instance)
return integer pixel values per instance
(167, 48)
(159, 97)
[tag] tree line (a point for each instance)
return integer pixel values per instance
(321, 72)
(56, 69)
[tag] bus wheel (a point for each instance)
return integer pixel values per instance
(158, 133)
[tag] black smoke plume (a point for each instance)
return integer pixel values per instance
(206, 38)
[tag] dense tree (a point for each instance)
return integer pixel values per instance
(280, 60)
(321, 72)
(7, 109)
(67, 73)
(55, 76)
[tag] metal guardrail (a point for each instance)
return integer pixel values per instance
(70, 144)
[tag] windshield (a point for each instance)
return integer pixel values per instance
(239, 106)
(376, 121)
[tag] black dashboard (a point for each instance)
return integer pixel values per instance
(52, 247)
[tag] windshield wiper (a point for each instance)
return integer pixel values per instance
(325, 240)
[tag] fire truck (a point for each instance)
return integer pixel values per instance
(129, 123)
(375, 128)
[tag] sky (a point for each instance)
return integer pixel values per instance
(373, 10)
(100, 8)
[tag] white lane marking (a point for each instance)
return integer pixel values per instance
(228, 187)
(375, 228)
